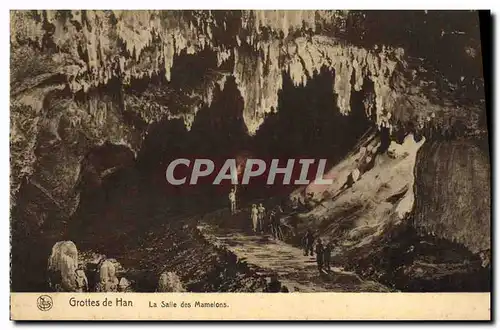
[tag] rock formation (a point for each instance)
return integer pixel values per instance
(453, 192)
(170, 282)
(62, 267)
(108, 281)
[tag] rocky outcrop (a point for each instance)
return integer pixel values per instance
(358, 211)
(67, 134)
(170, 282)
(420, 224)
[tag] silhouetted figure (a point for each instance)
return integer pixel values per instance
(352, 177)
(319, 255)
(308, 243)
(262, 214)
(284, 289)
(327, 255)
(275, 221)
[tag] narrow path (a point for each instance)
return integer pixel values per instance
(267, 256)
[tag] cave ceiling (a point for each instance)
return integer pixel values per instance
(81, 66)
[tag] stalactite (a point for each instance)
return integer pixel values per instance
(288, 21)
(153, 38)
(222, 56)
(26, 26)
(91, 47)
(259, 79)
(302, 58)
(284, 20)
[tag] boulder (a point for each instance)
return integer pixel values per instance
(170, 282)
(125, 285)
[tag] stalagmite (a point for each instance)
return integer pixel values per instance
(62, 266)
(108, 282)
(170, 282)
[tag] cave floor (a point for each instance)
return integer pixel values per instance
(267, 256)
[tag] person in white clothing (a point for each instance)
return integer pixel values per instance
(255, 217)
(232, 200)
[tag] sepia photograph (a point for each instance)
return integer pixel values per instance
(294, 152)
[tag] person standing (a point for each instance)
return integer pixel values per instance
(327, 255)
(262, 213)
(254, 214)
(232, 201)
(319, 255)
(275, 221)
(308, 243)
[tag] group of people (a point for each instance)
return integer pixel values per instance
(257, 215)
(262, 220)
(323, 252)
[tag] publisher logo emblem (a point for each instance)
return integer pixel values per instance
(44, 303)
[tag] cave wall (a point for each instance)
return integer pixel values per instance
(67, 130)
(453, 192)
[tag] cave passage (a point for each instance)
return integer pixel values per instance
(125, 197)
(307, 124)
